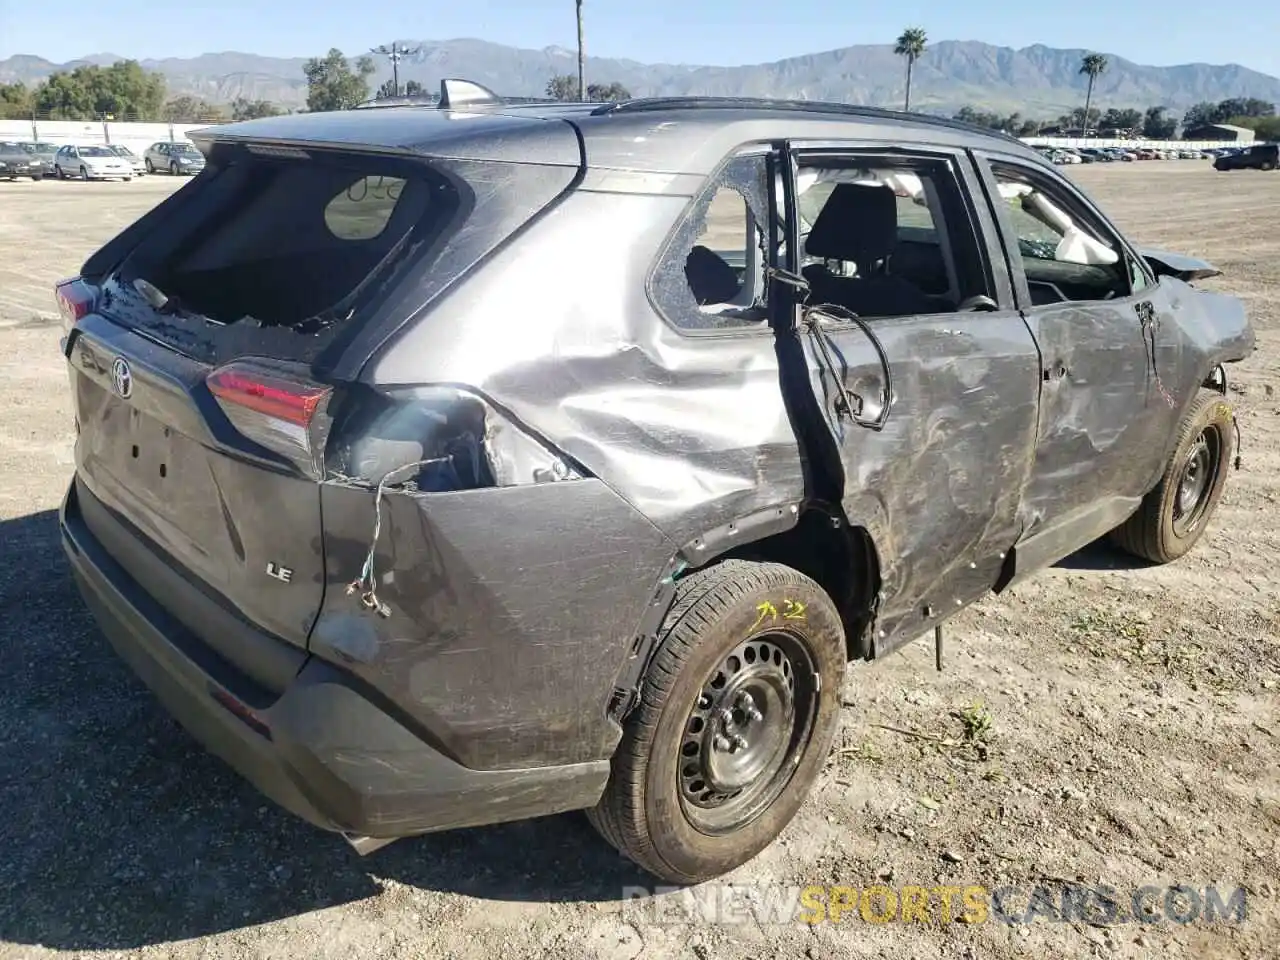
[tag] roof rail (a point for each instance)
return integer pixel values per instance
(412, 100)
(651, 104)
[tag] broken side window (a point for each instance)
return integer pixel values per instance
(712, 274)
(1065, 256)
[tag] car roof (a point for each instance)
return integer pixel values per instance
(688, 135)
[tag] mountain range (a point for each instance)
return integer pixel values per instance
(1038, 81)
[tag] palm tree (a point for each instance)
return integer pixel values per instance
(582, 59)
(1091, 65)
(910, 45)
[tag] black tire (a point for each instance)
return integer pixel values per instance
(735, 628)
(84, 173)
(150, 166)
(173, 170)
(1268, 165)
(1165, 527)
(38, 177)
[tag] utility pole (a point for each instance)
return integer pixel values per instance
(395, 54)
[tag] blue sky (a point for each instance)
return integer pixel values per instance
(673, 31)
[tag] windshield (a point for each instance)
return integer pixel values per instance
(95, 152)
(185, 149)
(122, 151)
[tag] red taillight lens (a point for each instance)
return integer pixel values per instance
(271, 395)
(276, 409)
(76, 299)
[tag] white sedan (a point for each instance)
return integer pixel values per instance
(90, 162)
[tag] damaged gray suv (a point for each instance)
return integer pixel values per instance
(444, 465)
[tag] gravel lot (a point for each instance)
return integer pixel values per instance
(1133, 734)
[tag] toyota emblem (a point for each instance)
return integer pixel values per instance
(121, 378)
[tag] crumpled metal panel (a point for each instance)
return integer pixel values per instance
(692, 431)
(510, 611)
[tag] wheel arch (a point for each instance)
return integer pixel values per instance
(813, 538)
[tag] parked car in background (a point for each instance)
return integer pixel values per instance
(176, 157)
(1260, 156)
(42, 151)
(357, 509)
(16, 162)
(131, 158)
(89, 162)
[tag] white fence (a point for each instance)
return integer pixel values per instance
(138, 136)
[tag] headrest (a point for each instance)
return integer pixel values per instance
(711, 279)
(858, 223)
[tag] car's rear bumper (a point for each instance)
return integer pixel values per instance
(322, 748)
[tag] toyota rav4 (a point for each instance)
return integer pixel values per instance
(441, 465)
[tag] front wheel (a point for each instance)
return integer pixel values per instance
(173, 169)
(1173, 516)
(739, 707)
(84, 173)
(151, 168)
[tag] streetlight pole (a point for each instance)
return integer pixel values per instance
(395, 54)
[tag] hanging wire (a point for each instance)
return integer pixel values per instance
(366, 583)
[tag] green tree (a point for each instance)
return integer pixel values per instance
(334, 84)
(63, 96)
(412, 88)
(582, 57)
(242, 108)
(15, 101)
(562, 87)
(1228, 109)
(188, 109)
(1127, 119)
(122, 90)
(1157, 126)
(910, 44)
(1092, 66)
(1201, 113)
(607, 91)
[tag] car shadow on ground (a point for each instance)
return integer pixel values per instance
(120, 831)
(1102, 555)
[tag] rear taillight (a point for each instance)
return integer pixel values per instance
(76, 298)
(279, 410)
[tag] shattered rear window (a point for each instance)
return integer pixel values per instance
(273, 248)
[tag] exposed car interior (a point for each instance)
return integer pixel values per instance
(1062, 259)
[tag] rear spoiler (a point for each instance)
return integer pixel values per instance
(1186, 269)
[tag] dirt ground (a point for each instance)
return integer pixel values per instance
(1132, 733)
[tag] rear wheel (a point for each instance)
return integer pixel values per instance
(1268, 165)
(736, 718)
(1174, 515)
(173, 169)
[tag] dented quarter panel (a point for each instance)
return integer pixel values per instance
(511, 610)
(691, 430)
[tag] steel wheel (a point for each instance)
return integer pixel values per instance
(1196, 479)
(749, 722)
